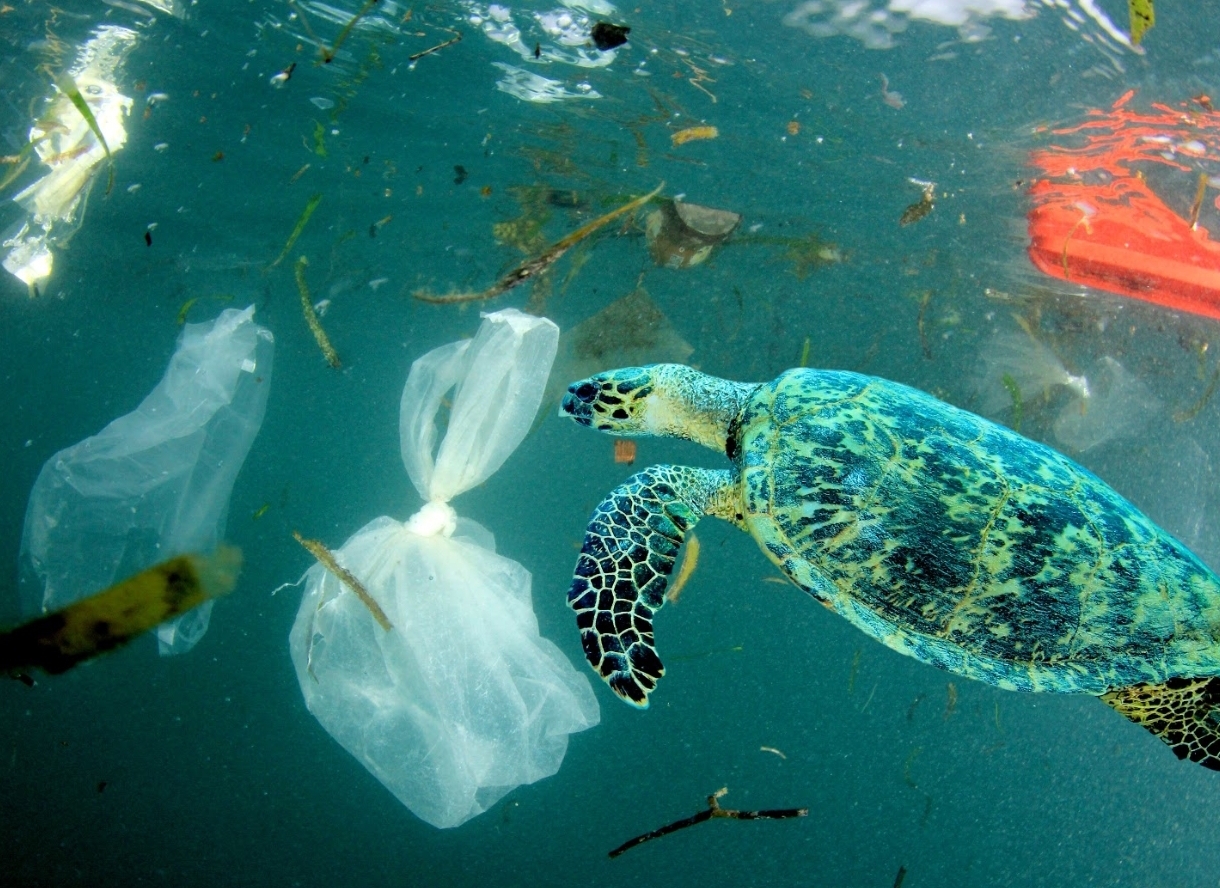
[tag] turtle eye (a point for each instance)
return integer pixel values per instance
(586, 392)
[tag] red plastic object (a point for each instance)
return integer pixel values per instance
(1095, 219)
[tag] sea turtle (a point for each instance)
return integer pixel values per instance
(943, 535)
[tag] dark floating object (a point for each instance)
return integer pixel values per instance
(608, 36)
(57, 642)
(713, 810)
(683, 234)
(459, 174)
(148, 238)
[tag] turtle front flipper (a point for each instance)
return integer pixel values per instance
(624, 566)
(1184, 712)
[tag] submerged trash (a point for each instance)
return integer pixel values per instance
(462, 700)
(105, 621)
(81, 127)
(925, 205)
(531, 268)
(302, 221)
(1102, 214)
(713, 810)
(609, 36)
(681, 234)
(155, 482)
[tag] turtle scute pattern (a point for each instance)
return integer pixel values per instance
(959, 542)
(632, 542)
(1183, 712)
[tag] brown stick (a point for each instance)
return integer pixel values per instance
(323, 554)
(713, 810)
(533, 267)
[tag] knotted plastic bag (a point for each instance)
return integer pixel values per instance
(460, 700)
(154, 483)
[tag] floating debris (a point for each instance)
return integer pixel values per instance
(681, 235)
(925, 205)
(694, 134)
(282, 77)
(531, 268)
(773, 751)
(328, 55)
(310, 206)
(901, 875)
(311, 317)
(1143, 17)
(327, 559)
(431, 49)
(713, 810)
(690, 561)
(608, 36)
(69, 88)
(893, 98)
(950, 701)
(624, 451)
(57, 642)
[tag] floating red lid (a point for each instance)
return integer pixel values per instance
(1097, 220)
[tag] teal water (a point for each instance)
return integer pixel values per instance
(207, 769)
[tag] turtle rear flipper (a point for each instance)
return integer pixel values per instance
(624, 566)
(1184, 712)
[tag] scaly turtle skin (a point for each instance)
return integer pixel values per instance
(945, 536)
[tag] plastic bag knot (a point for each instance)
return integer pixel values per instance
(434, 518)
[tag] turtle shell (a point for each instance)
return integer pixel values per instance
(954, 540)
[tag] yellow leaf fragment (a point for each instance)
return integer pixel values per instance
(1143, 17)
(694, 134)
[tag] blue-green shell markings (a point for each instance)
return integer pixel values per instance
(943, 535)
(965, 545)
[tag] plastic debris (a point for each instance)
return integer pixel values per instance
(81, 127)
(1101, 212)
(681, 235)
(153, 483)
(462, 700)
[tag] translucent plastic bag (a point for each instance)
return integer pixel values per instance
(156, 482)
(461, 700)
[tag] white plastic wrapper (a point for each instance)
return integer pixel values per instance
(461, 700)
(156, 482)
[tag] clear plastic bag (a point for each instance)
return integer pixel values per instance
(154, 483)
(461, 700)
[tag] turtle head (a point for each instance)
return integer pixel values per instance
(665, 400)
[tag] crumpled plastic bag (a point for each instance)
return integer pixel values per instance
(461, 700)
(154, 483)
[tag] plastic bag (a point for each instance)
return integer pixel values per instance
(156, 482)
(461, 700)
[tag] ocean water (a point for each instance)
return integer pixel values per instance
(207, 769)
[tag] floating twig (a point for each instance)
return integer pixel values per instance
(300, 226)
(713, 810)
(311, 317)
(773, 751)
(431, 49)
(323, 554)
(328, 55)
(531, 268)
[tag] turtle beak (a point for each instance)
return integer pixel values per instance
(578, 402)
